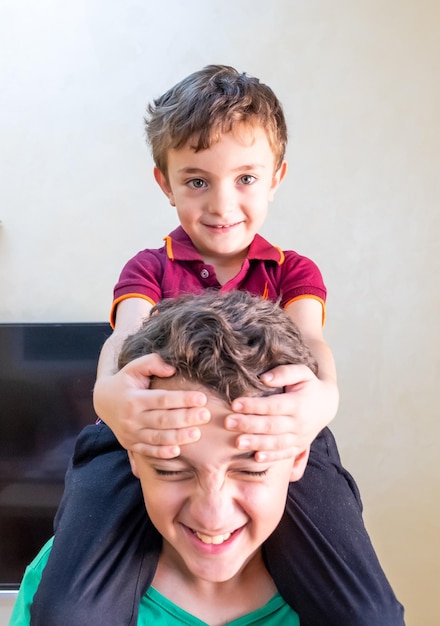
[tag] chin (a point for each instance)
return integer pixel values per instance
(217, 570)
(215, 574)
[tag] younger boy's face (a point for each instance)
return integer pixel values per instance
(214, 506)
(222, 193)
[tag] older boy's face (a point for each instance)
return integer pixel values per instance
(222, 193)
(214, 506)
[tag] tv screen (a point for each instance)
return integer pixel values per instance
(47, 373)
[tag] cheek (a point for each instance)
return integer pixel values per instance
(265, 503)
(162, 501)
(258, 207)
(257, 499)
(184, 212)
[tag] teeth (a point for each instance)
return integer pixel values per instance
(217, 540)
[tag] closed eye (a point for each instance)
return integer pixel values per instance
(167, 472)
(258, 474)
(172, 473)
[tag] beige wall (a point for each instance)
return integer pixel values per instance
(360, 84)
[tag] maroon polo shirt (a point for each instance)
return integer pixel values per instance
(177, 268)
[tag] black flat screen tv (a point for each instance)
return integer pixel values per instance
(47, 373)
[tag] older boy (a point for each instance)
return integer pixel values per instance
(218, 141)
(212, 507)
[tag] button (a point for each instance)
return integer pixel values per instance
(204, 273)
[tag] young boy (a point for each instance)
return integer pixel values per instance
(218, 140)
(213, 507)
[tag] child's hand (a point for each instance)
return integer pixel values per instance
(154, 422)
(284, 425)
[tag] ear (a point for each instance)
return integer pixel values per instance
(132, 459)
(163, 183)
(277, 179)
(299, 465)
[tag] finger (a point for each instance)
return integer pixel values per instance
(278, 404)
(285, 375)
(163, 400)
(278, 455)
(149, 365)
(165, 444)
(172, 437)
(259, 424)
(270, 443)
(156, 452)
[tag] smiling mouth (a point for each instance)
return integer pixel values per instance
(222, 226)
(215, 540)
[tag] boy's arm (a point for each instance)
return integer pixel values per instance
(285, 424)
(153, 422)
(130, 316)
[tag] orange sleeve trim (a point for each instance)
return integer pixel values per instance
(169, 247)
(282, 257)
(126, 297)
(306, 295)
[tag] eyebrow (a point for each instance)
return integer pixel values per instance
(199, 170)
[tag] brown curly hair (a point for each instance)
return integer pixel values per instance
(223, 342)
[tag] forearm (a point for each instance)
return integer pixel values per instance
(130, 316)
(324, 356)
(108, 359)
(110, 390)
(106, 390)
(327, 375)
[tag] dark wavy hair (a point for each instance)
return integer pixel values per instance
(223, 342)
(208, 103)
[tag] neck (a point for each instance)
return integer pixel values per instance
(226, 269)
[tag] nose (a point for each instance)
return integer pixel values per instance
(221, 200)
(212, 508)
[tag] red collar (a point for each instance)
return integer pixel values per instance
(179, 247)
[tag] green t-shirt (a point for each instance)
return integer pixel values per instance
(154, 607)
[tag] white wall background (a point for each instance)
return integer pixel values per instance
(359, 81)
